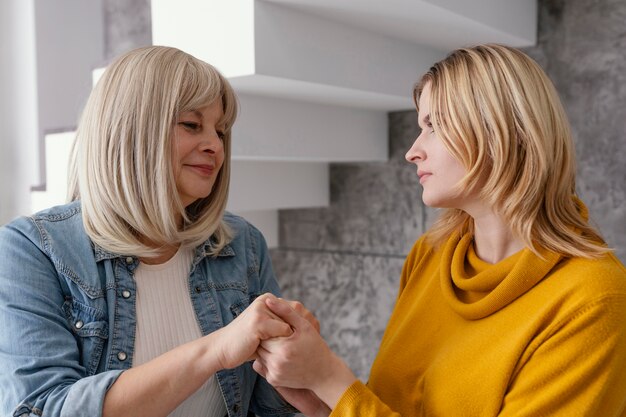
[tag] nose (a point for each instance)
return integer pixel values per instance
(211, 142)
(416, 153)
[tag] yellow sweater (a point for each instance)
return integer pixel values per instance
(523, 337)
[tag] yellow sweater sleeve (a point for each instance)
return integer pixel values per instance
(359, 401)
(578, 369)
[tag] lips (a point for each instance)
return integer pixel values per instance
(205, 170)
(423, 175)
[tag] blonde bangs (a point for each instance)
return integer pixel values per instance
(499, 115)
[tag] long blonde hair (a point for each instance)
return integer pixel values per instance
(497, 112)
(121, 167)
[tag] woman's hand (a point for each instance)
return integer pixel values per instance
(304, 313)
(238, 341)
(302, 360)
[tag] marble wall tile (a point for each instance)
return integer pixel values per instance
(352, 296)
(128, 25)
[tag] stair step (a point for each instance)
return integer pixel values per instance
(281, 129)
(443, 24)
(269, 49)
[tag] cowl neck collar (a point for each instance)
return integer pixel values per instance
(475, 288)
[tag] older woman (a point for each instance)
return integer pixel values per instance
(138, 298)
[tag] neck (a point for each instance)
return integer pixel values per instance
(493, 239)
(165, 254)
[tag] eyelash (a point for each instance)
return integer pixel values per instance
(196, 127)
(190, 125)
(430, 128)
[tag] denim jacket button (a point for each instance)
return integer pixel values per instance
(121, 356)
(129, 260)
(126, 294)
(79, 324)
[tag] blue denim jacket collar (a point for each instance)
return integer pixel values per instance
(201, 252)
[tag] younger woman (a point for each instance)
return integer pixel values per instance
(511, 304)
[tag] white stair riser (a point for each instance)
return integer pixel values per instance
(266, 221)
(278, 129)
(258, 185)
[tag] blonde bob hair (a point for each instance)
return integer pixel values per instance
(121, 167)
(497, 113)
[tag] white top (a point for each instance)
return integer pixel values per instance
(165, 320)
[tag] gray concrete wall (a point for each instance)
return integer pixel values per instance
(128, 25)
(344, 261)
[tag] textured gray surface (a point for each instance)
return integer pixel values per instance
(127, 25)
(352, 295)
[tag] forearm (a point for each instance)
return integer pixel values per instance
(157, 387)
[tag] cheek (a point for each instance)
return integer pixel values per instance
(457, 170)
(221, 155)
(452, 166)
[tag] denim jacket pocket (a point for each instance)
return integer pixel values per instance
(239, 306)
(90, 329)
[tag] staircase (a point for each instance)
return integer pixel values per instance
(315, 80)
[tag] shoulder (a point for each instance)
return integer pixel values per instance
(421, 251)
(54, 236)
(241, 228)
(246, 237)
(417, 261)
(596, 277)
(237, 223)
(45, 227)
(580, 290)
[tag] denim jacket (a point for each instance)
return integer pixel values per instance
(67, 315)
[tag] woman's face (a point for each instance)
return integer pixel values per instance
(197, 151)
(439, 172)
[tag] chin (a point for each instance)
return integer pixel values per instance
(436, 203)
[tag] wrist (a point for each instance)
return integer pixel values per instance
(336, 381)
(212, 353)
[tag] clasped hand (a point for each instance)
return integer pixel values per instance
(296, 364)
(282, 337)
